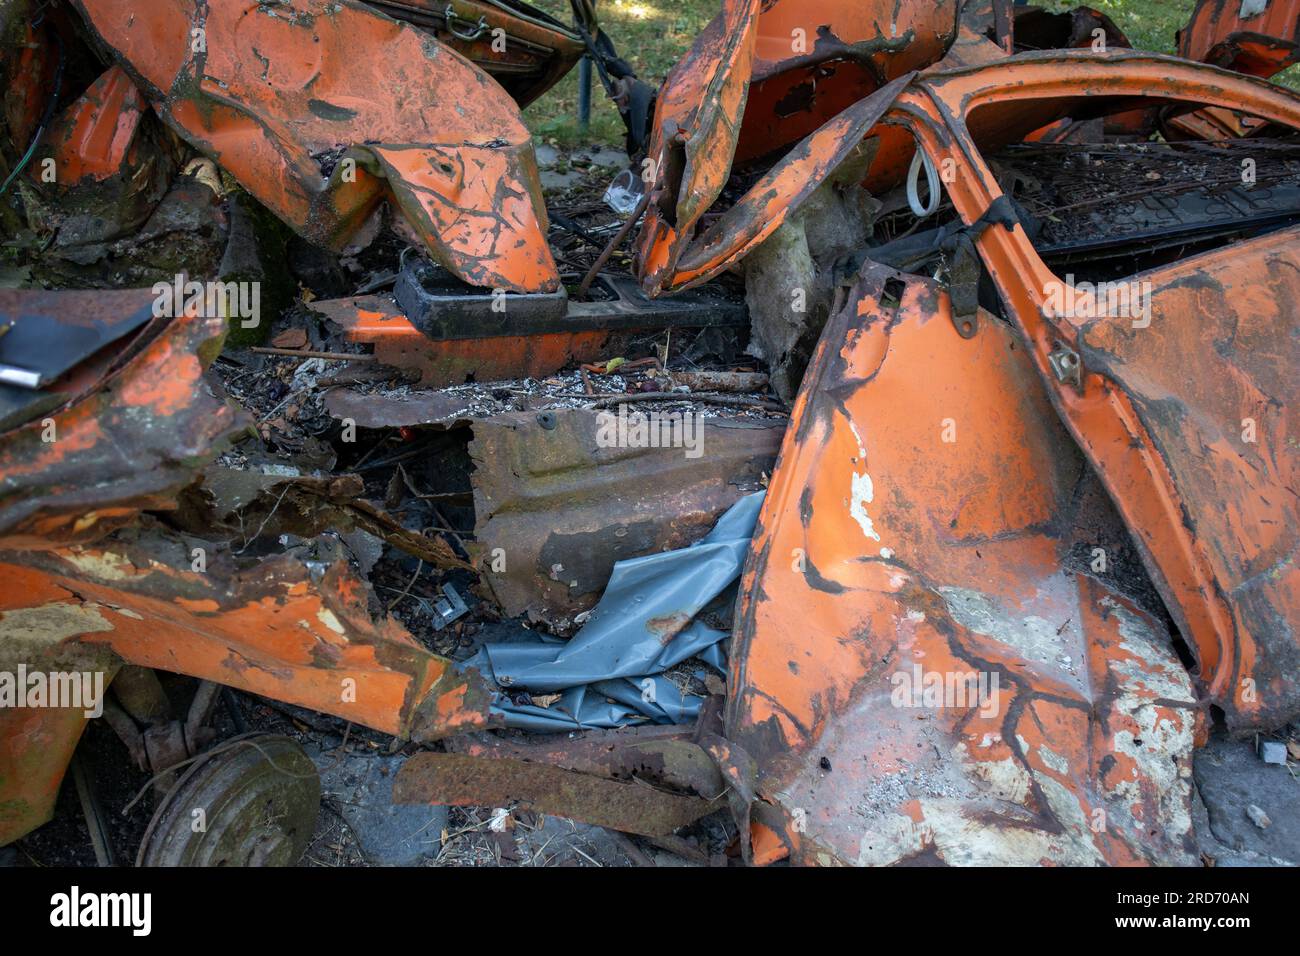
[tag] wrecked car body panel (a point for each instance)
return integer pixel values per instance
(756, 82)
(618, 502)
(97, 133)
(807, 69)
(36, 743)
(286, 629)
(1219, 418)
(783, 188)
(283, 100)
(879, 574)
(1257, 37)
(1105, 420)
(525, 50)
(290, 629)
(141, 430)
(85, 581)
(697, 122)
(1015, 556)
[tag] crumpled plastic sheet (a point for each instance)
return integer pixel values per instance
(610, 673)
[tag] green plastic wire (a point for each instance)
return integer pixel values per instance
(45, 120)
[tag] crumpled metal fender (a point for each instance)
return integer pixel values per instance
(323, 108)
(286, 628)
(920, 527)
(1161, 411)
(141, 431)
(759, 78)
(1257, 37)
(784, 188)
(696, 123)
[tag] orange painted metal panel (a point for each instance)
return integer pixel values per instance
(324, 108)
(1250, 37)
(1142, 476)
(96, 135)
(376, 320)
(916, 538)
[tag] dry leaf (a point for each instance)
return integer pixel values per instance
(291, 339)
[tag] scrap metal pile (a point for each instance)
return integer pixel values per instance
(920, 489)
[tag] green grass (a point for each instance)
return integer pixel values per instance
(1149, 24)
(653, 34)
(1154, 24)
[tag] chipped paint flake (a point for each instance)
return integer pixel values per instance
(861, 496)
(326, 617)
(101, 565)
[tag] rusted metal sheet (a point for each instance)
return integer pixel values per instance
(102, 175)
(1258, 37)
(36, 745)
(1218, 420)
(1199, 565)
(697, 121)
(811, 65)
(291, 628)
(758, 79)
(467, 781)
(403, 409)
(784, 188)
(666, 756)
(523, 48)
(562, 505)
(97, 136)
(919, 672)
(141, 432)
(323, 108)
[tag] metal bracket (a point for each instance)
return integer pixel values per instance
(448, 608)
(1067, 366)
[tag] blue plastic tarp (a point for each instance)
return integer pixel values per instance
(610, 673)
